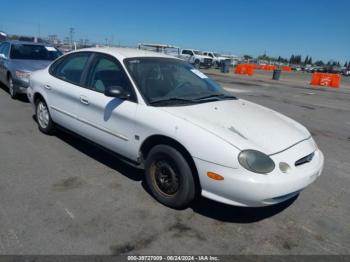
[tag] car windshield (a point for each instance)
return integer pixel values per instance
(166, 81)
(217, 54)
(34, 52)
(197, 52)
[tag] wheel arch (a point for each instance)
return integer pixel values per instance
(8, 75)
(154, 140)
(37, 96)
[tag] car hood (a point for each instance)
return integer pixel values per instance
(29, 65)
(243, 124)
(203, 56)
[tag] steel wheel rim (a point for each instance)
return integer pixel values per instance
(43, 115)
(165, 177)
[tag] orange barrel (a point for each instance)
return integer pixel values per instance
(315, 79)
(336, 81)
(250, 70)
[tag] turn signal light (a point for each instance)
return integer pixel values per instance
(215, 176)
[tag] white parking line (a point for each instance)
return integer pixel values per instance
(69, 213)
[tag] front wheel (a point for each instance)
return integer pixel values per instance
(43, 117)
(197, 64)
(12, 89)
(169, 177)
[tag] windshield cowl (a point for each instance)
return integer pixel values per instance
(183, 101)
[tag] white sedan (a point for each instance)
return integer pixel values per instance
(191, 136)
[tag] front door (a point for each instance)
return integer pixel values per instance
(108, 121)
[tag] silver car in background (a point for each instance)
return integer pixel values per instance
(19, 59)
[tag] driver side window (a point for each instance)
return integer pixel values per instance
(106, 72)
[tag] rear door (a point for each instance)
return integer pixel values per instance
(108, 121)
(63, 88)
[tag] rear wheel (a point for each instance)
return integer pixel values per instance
(43, 117)
(12, 89)
(169, 177)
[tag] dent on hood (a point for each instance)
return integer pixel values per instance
(234, 130)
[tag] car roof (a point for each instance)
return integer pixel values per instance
(122, 53)
(27, 43)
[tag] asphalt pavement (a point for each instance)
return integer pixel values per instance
(62, 195)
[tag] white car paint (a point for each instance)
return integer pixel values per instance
(194, 57)
(216, 59)
(214, 134)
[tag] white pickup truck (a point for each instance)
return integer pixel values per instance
(196, 58)
(217, 58)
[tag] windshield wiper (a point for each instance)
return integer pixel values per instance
(216, 97)
(170, 100)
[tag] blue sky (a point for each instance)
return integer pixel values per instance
(317, 28)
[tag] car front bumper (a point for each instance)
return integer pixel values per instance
(20, 85)
(241, 187)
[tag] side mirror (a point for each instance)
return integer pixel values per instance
(2, 56)
(118, 92)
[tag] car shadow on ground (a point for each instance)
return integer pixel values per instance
(236, 214)
(20, 97)
(201, 206)
(97, 153)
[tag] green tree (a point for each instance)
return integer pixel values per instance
(14, 37)
(291, 60)
(310, 60)
(319, 63)
(297, 59)
(306, 61)
(247, 57)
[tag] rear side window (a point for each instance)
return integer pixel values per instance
(71, 68)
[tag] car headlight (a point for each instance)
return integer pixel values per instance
(23, 75)
(256, 161)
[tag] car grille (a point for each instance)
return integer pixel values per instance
(207, 60)
(305, 159)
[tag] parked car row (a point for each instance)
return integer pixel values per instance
(323, 69)
(197, 58)
(159, 113)
(203, 59)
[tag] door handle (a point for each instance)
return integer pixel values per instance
(48, 87)
(84, 100)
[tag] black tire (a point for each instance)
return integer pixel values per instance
(12, 89)
(165, 161)
(45, 125)
(197, 64)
